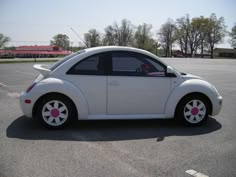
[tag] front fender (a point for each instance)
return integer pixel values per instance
(64, 87)
(187, 87)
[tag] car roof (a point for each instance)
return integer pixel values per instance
(118, 48)
(95, 50)
(112, 48)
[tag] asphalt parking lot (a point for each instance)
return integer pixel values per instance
(119, 148)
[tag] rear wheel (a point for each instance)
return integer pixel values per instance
(193, 110)
(55, 111)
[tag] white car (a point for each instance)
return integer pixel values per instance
(117, 83)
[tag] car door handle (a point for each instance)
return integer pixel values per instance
(114, 83)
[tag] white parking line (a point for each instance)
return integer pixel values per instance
(195, 173)
(14, 95)
(2, 85)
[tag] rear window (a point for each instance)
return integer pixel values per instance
(60, 62)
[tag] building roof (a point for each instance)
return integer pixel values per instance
(36, 50)
(26, 52)
(37, 46)
(225, 50)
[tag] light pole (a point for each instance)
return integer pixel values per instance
(79, 37)
(71, 43)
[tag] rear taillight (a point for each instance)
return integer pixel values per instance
(27, 101)
(30, 87)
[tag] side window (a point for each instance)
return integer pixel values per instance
(93, 65)
(133, 64)
(125, 64)
(157, 69)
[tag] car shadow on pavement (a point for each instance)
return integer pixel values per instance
(107, 130)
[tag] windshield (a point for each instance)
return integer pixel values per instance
(59, 62)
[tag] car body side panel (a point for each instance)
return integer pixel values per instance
(137, 95)
(186, 87)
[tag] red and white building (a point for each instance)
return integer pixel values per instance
(36, 51)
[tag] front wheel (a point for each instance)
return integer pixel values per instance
(193, 110)
(54, 111)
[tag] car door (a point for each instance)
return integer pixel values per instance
(89, 76)
(136, 85)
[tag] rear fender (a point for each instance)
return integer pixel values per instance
(52, 85)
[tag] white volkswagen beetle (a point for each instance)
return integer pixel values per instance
(117, 83)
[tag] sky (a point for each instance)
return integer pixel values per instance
(35, 22)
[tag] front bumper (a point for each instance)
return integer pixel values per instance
(26, 108)
(217, 105)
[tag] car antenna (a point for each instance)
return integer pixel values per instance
(79, 37)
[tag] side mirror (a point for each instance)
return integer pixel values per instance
(170, 72)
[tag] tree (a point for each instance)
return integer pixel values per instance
(92, 38)
(233, 36)
(182, 34)
(109, 38)
(61, 40)
(216, 31)
(201, 24)
(167, 36)
(196, 33)
(124, 33)
(143, 38)
(194, 36)
(3, 40)
(119, 35)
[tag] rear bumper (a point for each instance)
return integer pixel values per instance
(217, 105)
(26, 107)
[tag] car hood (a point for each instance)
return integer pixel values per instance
(191, 76)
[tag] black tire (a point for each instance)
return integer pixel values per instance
(193, 110)
(56, 119)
